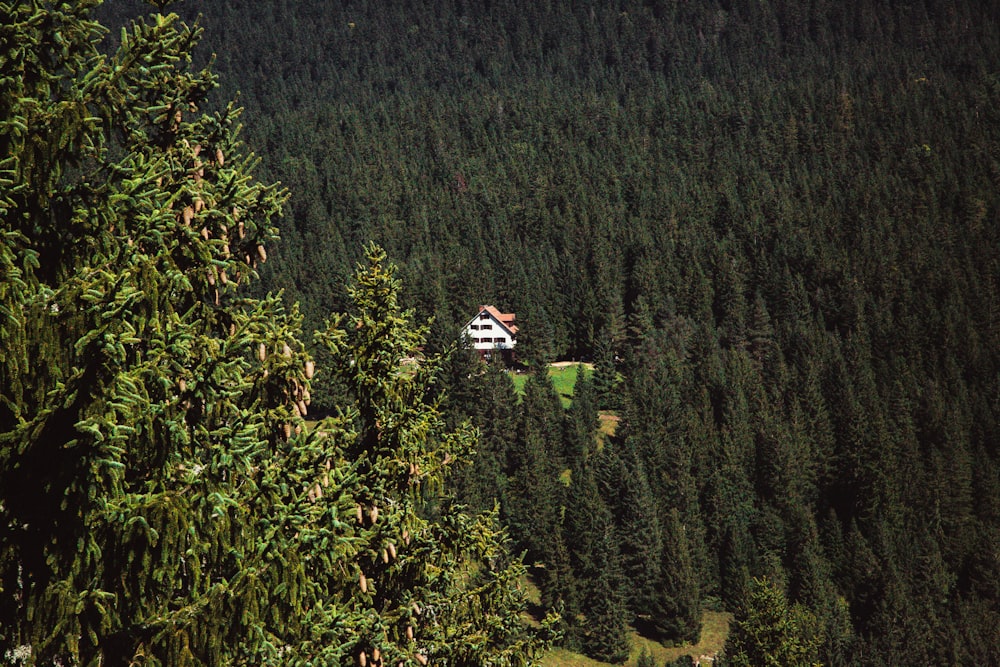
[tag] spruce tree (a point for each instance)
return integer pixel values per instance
(160, 500)
(607, 380)
(625, 488)
(582, 421)
(534, 493)
(428, 581)
(677, 607)
(768, 631)
(139, 424)
(601, 584)
(492, 408)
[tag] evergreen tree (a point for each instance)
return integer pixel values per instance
(582, 420)
(623, 484)
(535, 496)
(534, 493)
(645, 659)
(817, 252)
(607, 381)
(435, 583)
(676, 611)
(160, 501)
(493, 411)
(767, 631)
(139, 430)
(536, 347)
(602, 625)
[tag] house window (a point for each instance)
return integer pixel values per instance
(486, 326)
(474, 327)
(484, 315)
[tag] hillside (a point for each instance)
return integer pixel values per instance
(772, 226)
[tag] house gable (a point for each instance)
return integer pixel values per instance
(490, 330)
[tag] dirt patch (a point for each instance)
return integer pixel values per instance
(608, 425)
(564, 364)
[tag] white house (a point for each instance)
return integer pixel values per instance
(492, 331)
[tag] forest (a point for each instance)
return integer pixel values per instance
(772, 226)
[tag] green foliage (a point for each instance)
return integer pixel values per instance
(432, 582)
(676, 609)
(607, 379)
(534, 493)
(495, 416)
(767, 631)
(596, 563)
(782, 216)
(140, 443)
(624, 486)
(159, 499)
(645, 659)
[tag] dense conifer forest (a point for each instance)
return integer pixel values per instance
(774, 228)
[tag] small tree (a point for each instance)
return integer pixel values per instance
(767, 631)
(607, 380)
(645, 659)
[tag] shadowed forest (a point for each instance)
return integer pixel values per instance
(772, 226)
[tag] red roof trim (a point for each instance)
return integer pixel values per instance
(506, 319)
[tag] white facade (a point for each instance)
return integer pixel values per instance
(488, 331)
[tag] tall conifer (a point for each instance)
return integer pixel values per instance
(160, 501)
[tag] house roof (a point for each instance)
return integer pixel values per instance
(506, 319)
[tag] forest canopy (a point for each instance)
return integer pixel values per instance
(771, 225)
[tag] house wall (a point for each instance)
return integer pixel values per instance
(487, 333)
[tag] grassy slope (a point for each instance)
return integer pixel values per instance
(563, 379)
(714, 630)
(715, 627)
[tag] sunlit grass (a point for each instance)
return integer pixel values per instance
(714, 629)
(563, 376)
(608, 426)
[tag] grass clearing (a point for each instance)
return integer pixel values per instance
(564, 375)
(714, 630)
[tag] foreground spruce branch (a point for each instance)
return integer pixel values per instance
(160, 499)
